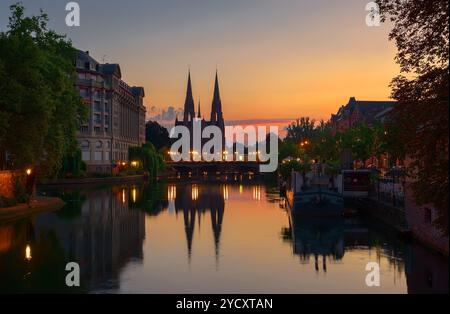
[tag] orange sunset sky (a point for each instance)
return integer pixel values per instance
(277, 59)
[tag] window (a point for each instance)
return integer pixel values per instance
(106, 156)
(85, 145)
(82, 76)
(98, 144)
(84, 92)
(98, 156)
(427, 215)
(86, 155)
(97, 106)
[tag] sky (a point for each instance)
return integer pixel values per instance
(277, 59)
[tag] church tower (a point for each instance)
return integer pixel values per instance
(216, 107)
(189, 111)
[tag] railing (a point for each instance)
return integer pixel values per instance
(86, 82)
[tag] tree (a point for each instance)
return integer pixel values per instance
(386, 141)
(301, 130)
(324, 144)
(40, 110)
(358, 139)
(289, 149)
(421, 33)
(157, 135)
(149, 158)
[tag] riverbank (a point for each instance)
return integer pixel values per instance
(37, 205)
(94, 181)
(391, 215)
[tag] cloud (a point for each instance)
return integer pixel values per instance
(165, 115)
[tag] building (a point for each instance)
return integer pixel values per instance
(356, 112)
(116, 114)
(189, 115)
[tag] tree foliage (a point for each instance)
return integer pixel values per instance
(149, 158)
(40, 110)
(421, 33)
(157, 135)
(302, 129)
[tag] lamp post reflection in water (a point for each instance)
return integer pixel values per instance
(123, 196)
(171, 197)
(225, 192)
(28, 256)
(133, 195)
(257, 193)
(194, 193)
(171, 192)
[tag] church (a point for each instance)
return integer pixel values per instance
(189, 115)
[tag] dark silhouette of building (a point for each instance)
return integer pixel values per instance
(189, 117)
(358, 111)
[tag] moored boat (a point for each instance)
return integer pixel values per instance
(315, 195)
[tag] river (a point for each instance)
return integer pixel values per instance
(205, 238)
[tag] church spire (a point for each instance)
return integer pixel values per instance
(216, 108)
(189, 111)
(199, 114)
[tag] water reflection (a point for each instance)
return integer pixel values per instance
(317, 237)
(160, 238)
(100, 233)
(207, 199)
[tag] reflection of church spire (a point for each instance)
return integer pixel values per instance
(216, 222)
(189, 224)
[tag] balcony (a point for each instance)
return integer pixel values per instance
(89, 83)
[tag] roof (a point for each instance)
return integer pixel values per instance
(366, 108)
(84, 57)
(138, 91)
(111, 68)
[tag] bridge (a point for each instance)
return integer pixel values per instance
(223, 167)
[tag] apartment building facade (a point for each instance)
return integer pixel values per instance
(116, 118)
